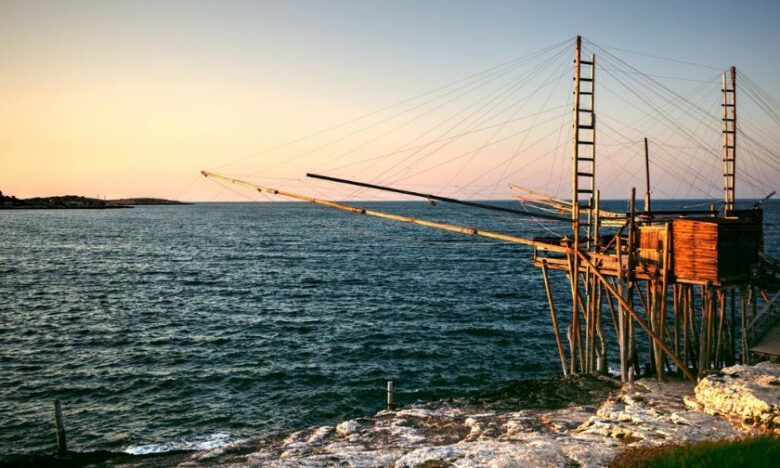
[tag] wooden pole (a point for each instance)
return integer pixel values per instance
(732, 330)
(622, 328)
(602, 364)
(62, 445)
(651, 291)
(615, 320)
(694, 336)
(684, 300)
(743, 325)
(720, 342)
(554, 319)
(676, 317)
(631, 284)
(703, 329)
(647, 177)
(710, 325)
(664, 289)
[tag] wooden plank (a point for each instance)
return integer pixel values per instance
(770, 344)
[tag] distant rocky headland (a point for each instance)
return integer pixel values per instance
(77, 202)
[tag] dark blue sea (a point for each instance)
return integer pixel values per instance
(167, 327)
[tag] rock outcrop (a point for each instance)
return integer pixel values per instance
(747, 394)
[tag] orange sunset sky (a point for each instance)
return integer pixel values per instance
(130, 99)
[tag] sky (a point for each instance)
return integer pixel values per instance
(130, 99)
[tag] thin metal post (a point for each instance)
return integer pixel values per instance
(390, 391)
(62, 446)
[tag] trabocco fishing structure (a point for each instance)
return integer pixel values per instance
(696, 283)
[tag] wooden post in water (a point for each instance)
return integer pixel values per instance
(62, 446)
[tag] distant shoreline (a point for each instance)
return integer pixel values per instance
(74, 202)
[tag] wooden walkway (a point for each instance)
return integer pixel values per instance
(770, 344)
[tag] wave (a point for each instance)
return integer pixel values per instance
(189, 443)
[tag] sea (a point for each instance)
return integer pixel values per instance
(187, 327)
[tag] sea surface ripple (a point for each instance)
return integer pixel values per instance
(174, 326)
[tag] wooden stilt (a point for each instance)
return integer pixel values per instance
(637, 318)
(676, 317)
(622, 329)
(664, 284)
(694, 336)
(719, 342)
(554, 318)
(684, 314)
(708, 339)
(732, 358)
(633, 357)
(743, 326)
(613, 313)
(704, 327)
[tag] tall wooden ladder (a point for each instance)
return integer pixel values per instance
(584, 141)
(583, 186)
(729, 105)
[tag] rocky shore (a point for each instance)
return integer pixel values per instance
(603, 419)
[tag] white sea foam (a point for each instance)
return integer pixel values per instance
(191, 443)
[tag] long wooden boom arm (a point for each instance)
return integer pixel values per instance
(431, 196)
(394, 217)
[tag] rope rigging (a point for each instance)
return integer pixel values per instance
(474, 135)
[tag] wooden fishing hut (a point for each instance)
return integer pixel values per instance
(692, 281)
(694, 287)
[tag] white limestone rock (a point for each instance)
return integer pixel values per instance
(347, 428)
(750, 394)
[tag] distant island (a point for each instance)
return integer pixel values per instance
(77, 202)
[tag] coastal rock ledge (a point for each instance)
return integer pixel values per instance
(747, 394)
(740, 401)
